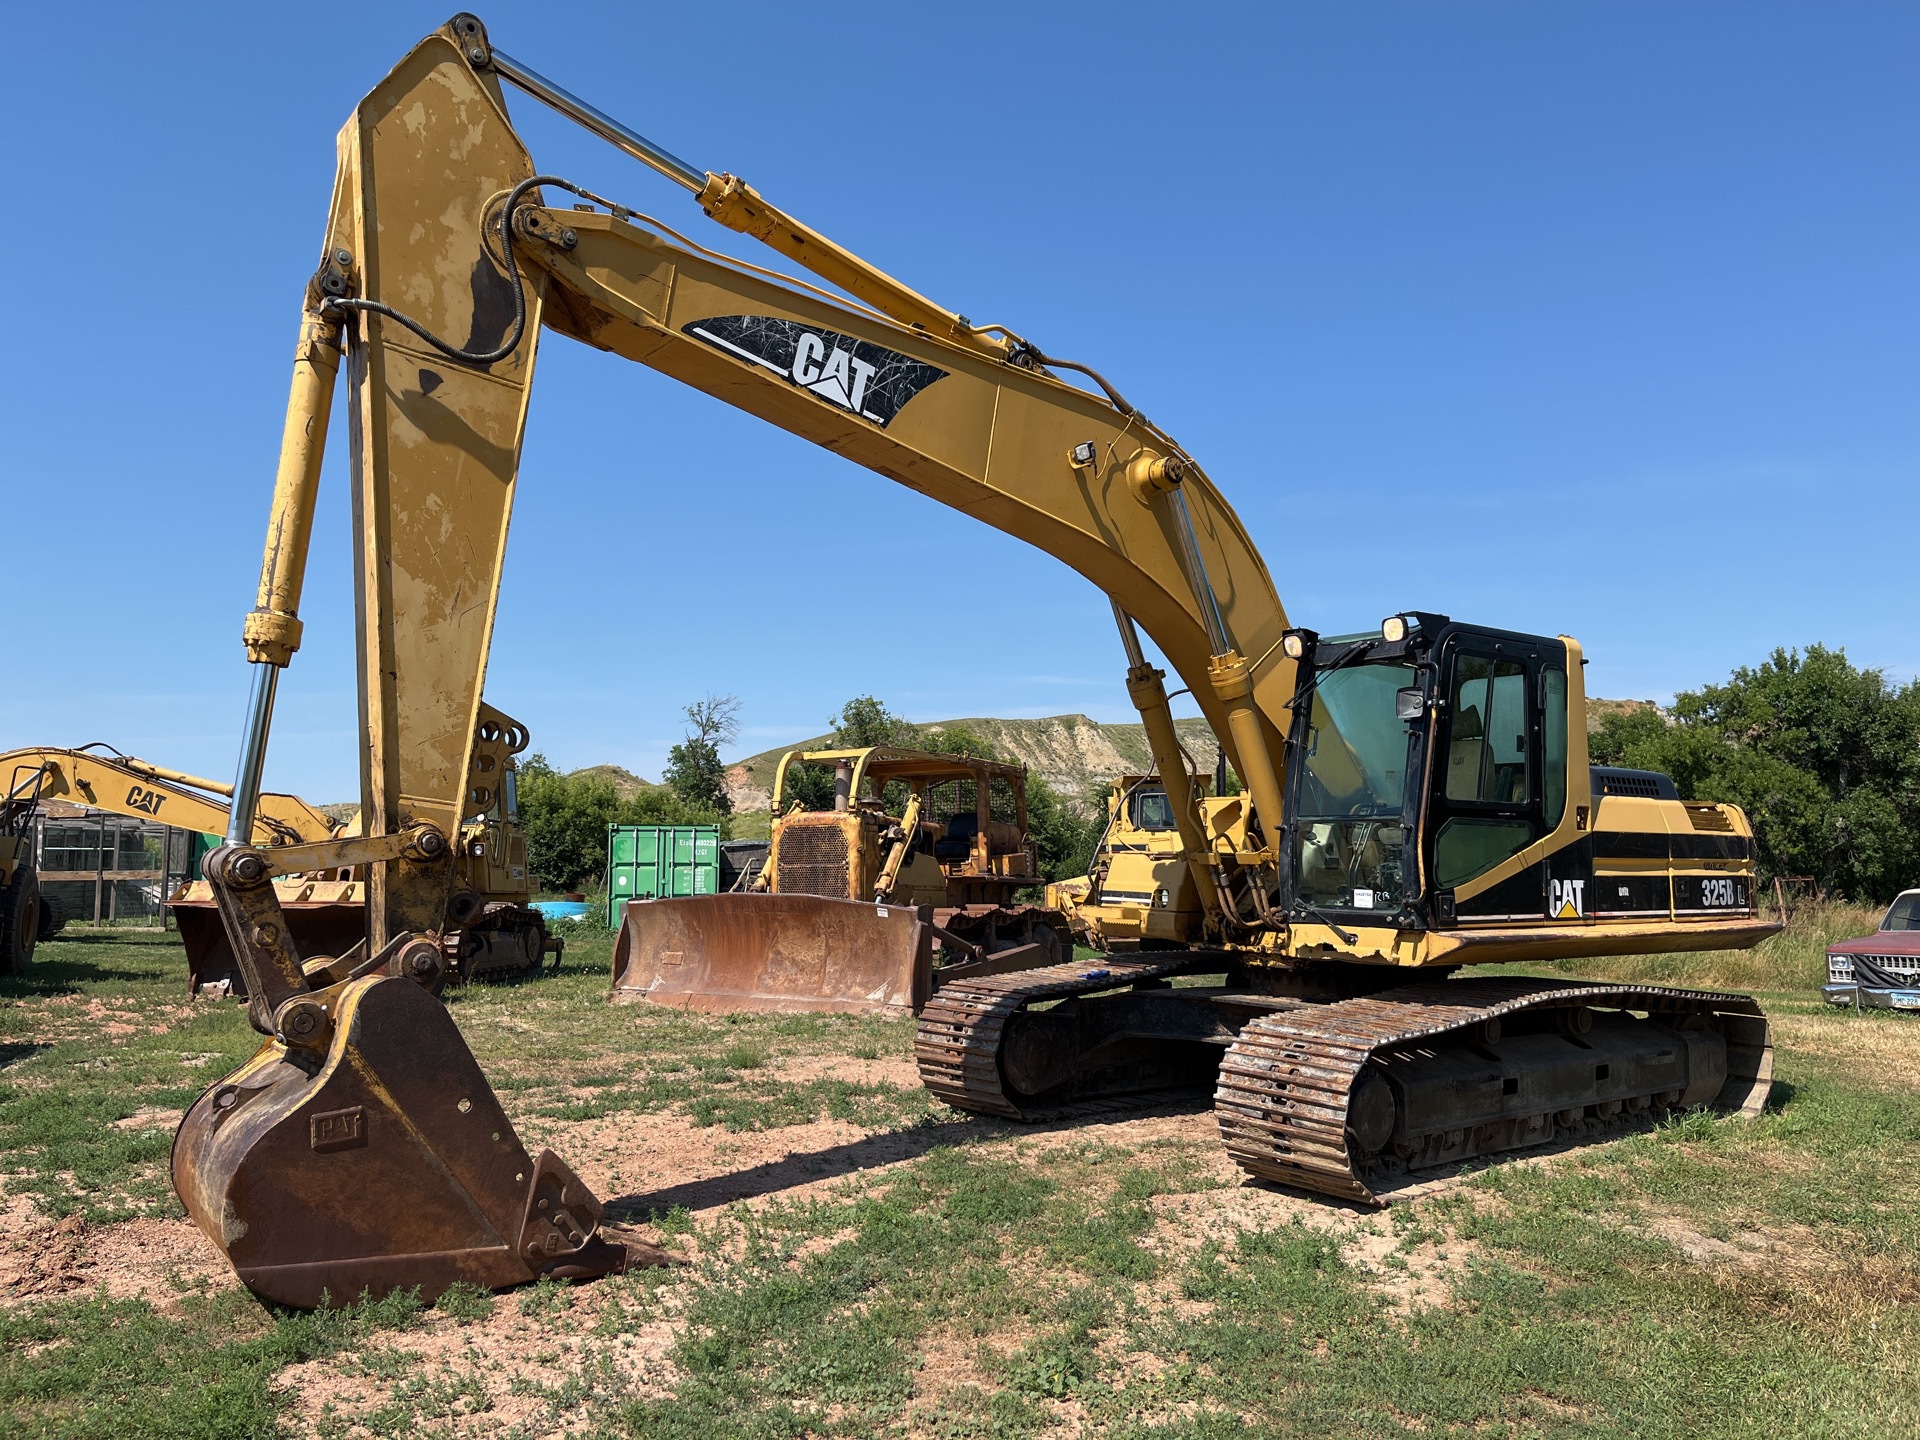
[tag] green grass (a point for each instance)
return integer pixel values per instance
(1716, 1277)
(1793, 960)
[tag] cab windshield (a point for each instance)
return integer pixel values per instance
(1350, 839)
(1903, 914)
(1151, 810)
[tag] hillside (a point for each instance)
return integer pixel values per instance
(1077, 755)
(625, 783)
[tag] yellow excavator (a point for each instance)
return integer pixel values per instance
(1416, 799)
(493, 931)
(325, 911)
(101, 778)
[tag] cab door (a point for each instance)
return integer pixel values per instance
(1485, 801)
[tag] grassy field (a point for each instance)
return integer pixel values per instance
(858, 1260)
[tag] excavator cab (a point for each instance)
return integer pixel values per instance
(1435, 783)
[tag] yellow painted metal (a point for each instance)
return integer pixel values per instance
(123, 785)
(738, 206)
(990, 439)
(1147, 688)
(273, 629)
(1232, 680)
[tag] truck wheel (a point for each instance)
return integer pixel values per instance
(53, 916)
(19, 921)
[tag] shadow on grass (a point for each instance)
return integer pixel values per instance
(63, 977)
(889, 1147)
(20, 1050)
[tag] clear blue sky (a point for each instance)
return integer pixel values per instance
(1597, 318)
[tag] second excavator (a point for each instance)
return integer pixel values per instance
(1416, 799)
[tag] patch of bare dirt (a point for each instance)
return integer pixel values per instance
(646, 1163)
(38, 1257)
(151, 1117)
(53, 1018)
(512, 1373)
(949, 1367)
(156, 1260)
(888, 1070)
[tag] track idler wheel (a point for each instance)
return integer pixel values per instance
(361, 1151)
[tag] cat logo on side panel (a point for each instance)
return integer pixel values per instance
(849, 373)
(1567, 899)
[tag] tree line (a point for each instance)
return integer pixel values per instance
(1823, 756)
(566, 816)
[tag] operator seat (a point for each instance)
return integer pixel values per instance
(958, 842)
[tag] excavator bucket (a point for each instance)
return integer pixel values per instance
(322, 921)
(379, 1160)
(778, 953)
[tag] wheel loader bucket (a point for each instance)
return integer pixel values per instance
(778, 953)
(318, 923)
(377, 1160)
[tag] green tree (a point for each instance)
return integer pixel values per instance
(865, 721)
(694, 770)
(566, 819)
(1823, 756)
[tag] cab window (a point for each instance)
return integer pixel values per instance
(1904, 914)
(1152, 810)
(1487, 751)
(1553, 761)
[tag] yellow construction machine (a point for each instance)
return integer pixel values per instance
(1140, 892)
(858, 909)
(325, 911)
(1416, 799)
(492, 931)
(101, 778)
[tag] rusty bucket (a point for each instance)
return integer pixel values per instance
(782, 954)
(375, 1160)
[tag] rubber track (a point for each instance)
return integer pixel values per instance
(958, 1044)
(1286, 1083)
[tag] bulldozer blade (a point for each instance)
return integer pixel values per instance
(778, 953)
(379, 1160)
(318, 927)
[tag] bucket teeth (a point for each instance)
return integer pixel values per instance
(383, 1162)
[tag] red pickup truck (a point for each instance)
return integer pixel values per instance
(1881, 970)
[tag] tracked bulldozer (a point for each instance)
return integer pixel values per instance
(909, 880)
(1416, 799)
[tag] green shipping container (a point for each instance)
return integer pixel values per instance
(657, 862)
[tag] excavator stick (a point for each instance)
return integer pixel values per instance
(360, 1150)
(784, 954)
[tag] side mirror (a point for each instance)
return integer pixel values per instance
(1409, 704)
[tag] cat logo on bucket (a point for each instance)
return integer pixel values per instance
(1567, 899)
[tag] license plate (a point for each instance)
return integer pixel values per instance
(1905, 999)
